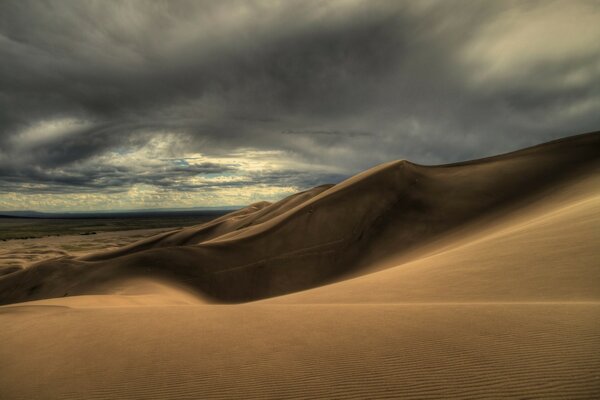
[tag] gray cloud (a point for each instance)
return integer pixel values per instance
(343, 85)
(116, 179)
(105, 177)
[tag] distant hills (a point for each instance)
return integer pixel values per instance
(141, 213)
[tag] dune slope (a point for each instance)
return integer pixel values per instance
(324, 234)
(548, 251)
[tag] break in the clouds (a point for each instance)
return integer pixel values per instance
(137, 104)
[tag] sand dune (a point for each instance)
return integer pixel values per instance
(543, 252)
(471, 280)
(321, 235)
(20, 253)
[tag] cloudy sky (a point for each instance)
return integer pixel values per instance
(148, 104)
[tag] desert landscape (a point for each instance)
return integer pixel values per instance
(471, 280)
(299, 199)
(31, 239)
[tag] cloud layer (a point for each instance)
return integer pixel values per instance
(214, 103)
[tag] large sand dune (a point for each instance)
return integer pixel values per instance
(318, 236)
(471, 280)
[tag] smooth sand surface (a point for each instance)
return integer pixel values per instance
(474, 280)
(309, 351)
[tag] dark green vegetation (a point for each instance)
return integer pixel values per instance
(28, 228)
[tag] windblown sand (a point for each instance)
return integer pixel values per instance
(457, 295)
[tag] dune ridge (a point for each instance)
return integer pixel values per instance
(323, 234)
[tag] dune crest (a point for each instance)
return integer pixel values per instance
(323, 234)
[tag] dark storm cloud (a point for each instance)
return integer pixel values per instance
(100, 178)
(341, 84)
(111, 179)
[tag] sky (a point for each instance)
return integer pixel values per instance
(167, 104)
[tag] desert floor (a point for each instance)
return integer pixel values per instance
(22, 252)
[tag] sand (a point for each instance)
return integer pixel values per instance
(21, 253)
(472, 280)
(311, 351)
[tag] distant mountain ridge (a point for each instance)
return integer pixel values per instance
(141, 213)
